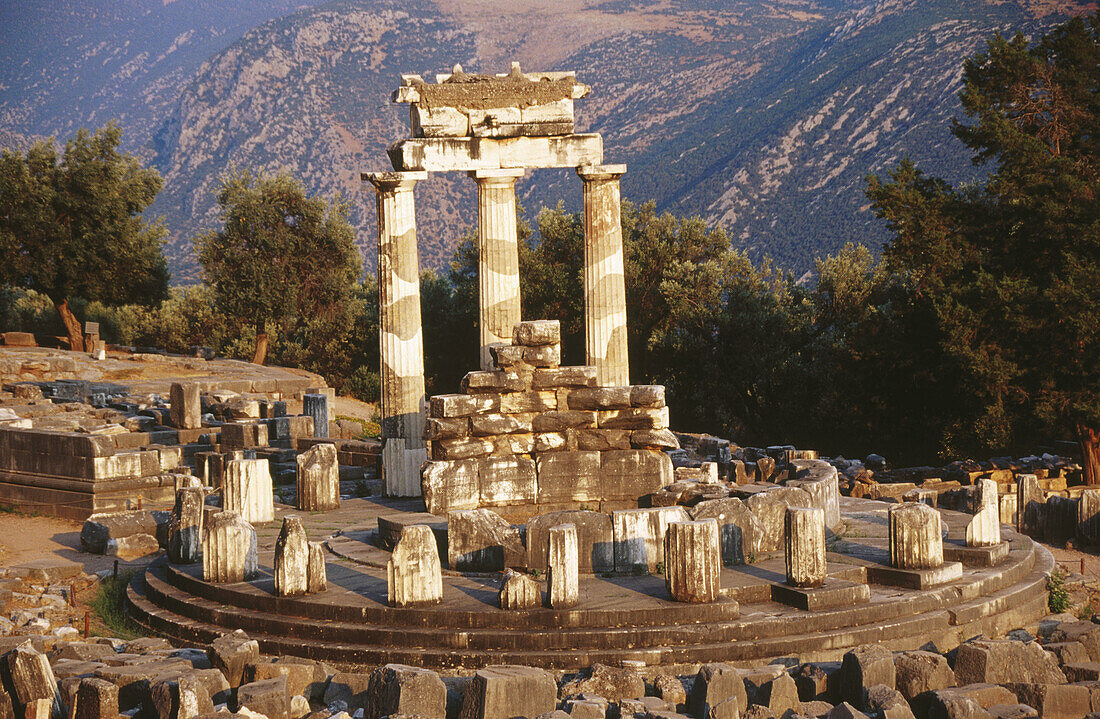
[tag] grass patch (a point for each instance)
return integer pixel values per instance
(370, 427)
(108, 607)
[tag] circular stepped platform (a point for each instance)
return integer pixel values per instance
(621, 617)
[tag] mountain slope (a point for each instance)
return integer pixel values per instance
(761, 115)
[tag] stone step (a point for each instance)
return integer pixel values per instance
(910, 631)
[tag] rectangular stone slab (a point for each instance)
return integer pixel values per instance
(975, 556)
(834, 593)
(447, 154)
(914, 578)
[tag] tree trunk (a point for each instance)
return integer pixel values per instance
(261, 348)
(72, 325)
(1089, 439)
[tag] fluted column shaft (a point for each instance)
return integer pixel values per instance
(400, 333)
(498, 258)
(605, 340)
(805, 546)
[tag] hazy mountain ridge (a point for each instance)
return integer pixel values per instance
(762, 116)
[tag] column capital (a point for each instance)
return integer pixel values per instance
(497, 176)
(601, 172)
(393, 181)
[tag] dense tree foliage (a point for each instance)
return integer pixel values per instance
(283, 262)
(1010, 269)
(71, 226)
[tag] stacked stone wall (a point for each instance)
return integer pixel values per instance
(532, 434)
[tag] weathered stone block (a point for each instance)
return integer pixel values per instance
(1004, 661)
(560, 420)
(480, 540)
(558, 377)
(630, 474)
(98, 529)
(269, 697)
(27, 673)
(493, 381)
(461, 448)
(186, 408)
(397, 689)
(602, 440)
(507, 692)
(647, 395)
(522, 402)
(413, 574)
(504, 481)
(533, 333)
(464, 405)
(96, 699)
(738, 527)
(437, 428)
(184, 697)
(451, 485)
(568, 477)
(863, 668)
(917, 672)
(483, 425)
(633, 418)
(318, 479)
(518, 591)
(718, 693)
(654, 439)
(1088, 518)
(231, 653)
(595, 539)
(600, 398)
(770, 510)
(640, 537)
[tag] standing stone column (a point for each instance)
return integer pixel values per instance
(229, 549)
(984, 530)
(805, 546)
(318, 479)
(604, 282)
(916, 537)
(1030, 506)
(291, 559)
(414, 576)
(562, 577)
(316, 574)
(248, 491)
(400, 334)
(185, 527)
(185, 408)
(498, 257)
(692, 561)
(316, 406)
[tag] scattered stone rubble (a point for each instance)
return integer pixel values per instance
(73, 448)
(1055, 675)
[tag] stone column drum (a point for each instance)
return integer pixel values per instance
(316, 574)
(185, 526)
(229, 551)
(604, 281)
(400, 334)
(805, 546)
(318, 479)
(498, 257)
(693, 561)
(291, 559)
(916, 537)
(316, 406)
(563, 576)
(414, 576)
(248, 490)
(984, 530)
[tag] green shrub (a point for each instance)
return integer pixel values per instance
(1057, 595)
